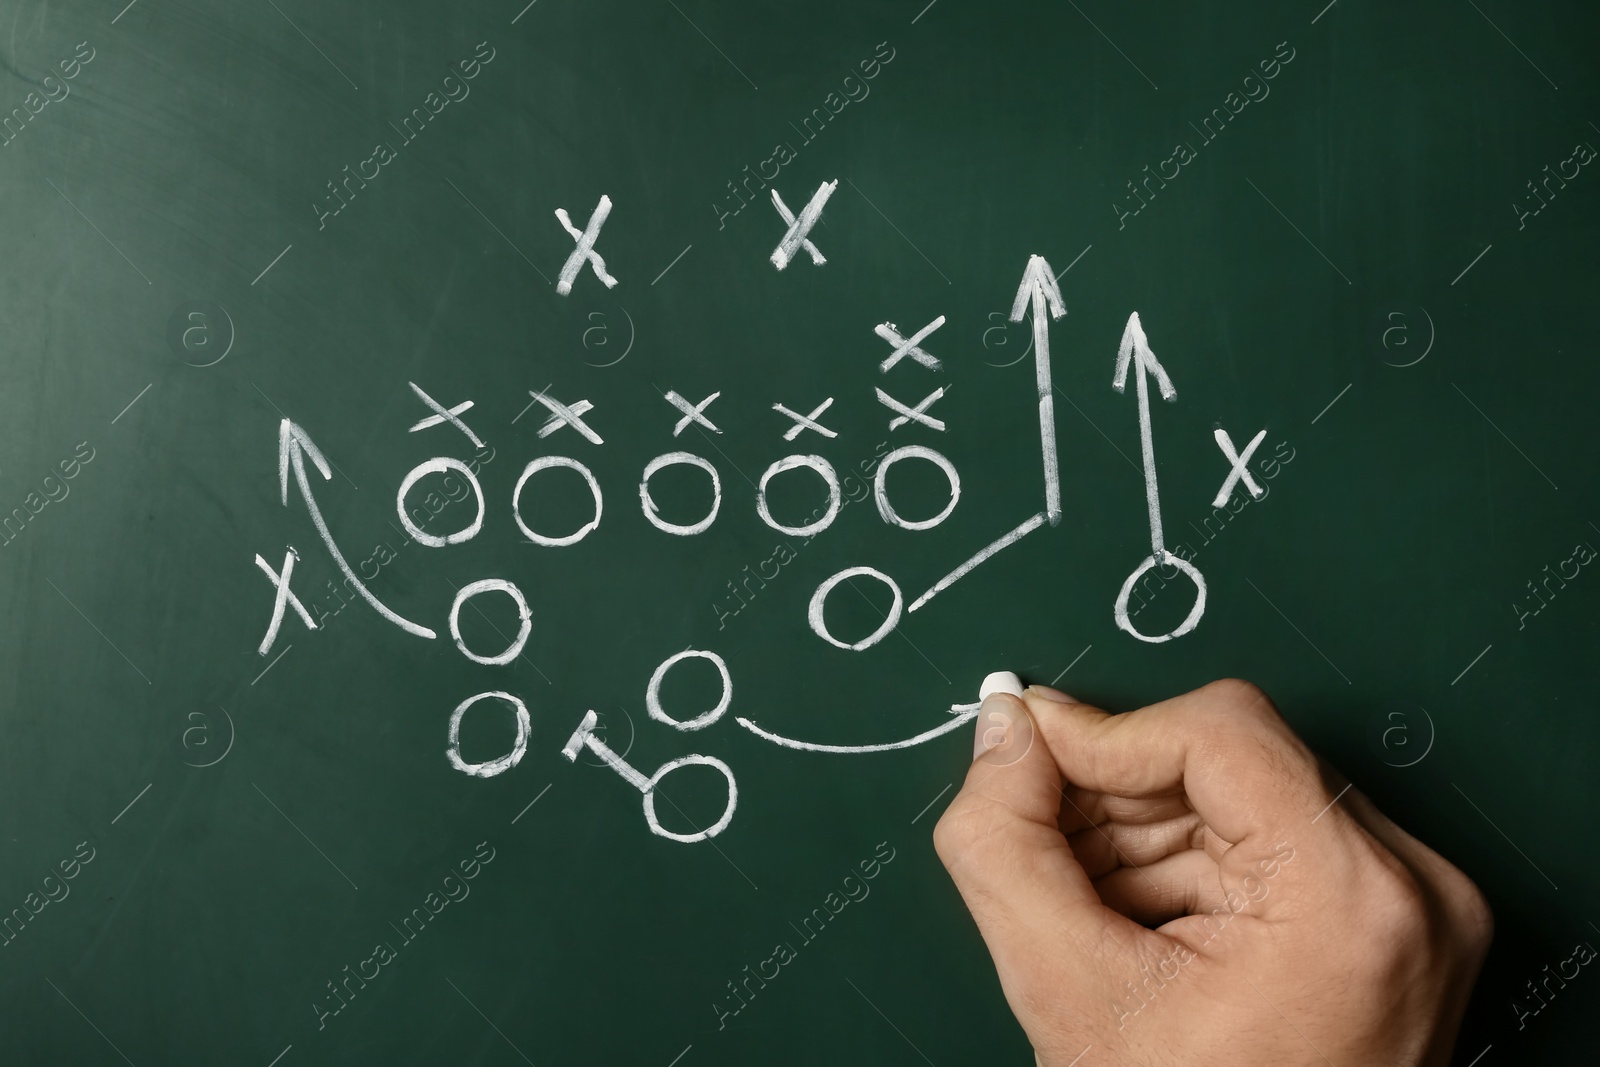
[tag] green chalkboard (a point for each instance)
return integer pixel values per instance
(318, 316)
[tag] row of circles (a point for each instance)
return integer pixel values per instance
(652, 512)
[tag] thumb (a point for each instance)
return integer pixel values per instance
(1002, 844)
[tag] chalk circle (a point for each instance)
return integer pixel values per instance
(1189, 623)
(709, 832)
(491, 585)
(516, 501)
(647, 502)
(789, 463)
(422, 470)
(652, 695)
(820, 598)
(880, 487)
(495, 766)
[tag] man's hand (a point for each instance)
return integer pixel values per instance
(1184, 884)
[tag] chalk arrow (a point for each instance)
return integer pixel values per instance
(294, 445)
(1135, 348)
(1039, 292)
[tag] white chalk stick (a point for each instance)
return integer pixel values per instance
(1000, 682)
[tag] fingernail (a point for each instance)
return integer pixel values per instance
(1004, 732)
(1000, 682)
(1052, 694)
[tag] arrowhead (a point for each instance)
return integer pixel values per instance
(1038, 283)
(1136, 346)
(292, 443)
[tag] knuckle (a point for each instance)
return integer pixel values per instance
(964, 823)
(1240, 694)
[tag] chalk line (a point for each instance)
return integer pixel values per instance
(962, 714)
(960, 572)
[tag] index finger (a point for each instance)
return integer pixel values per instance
(1224, 745)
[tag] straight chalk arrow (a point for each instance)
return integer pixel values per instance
(1039, 292)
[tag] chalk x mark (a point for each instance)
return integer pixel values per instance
(1474, 263)
(932, 802)
(1502, 433)
(1332, 402)
(90, 1021)
(490, 1021)
(1299, 631)
(302, 833)
(1513, 44)
(1301, 232)
(1071, 665)
(713, 44)
(890, 1022)
(1502, 833)
(674, 263)
(274, 262)
(1473, 664)
(901, 232)
(962, 714)
(313, 44)
(101, 632)
(531, 803)
(131, 803)
(497, 229)
(982, 554)
(97, 229)
(132, 402)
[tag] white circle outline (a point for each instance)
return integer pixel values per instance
(1189, 623)
(486, 585)
(820, 598)
(533, 467)
(647, 503)
(438, 465)
(880, 488)
(788, 463)
(492, 767)
(652, 694)
(709, 832)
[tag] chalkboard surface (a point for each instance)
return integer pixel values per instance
(376, 692)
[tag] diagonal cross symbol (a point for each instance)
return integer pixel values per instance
(795, 238)
(692, 413)
(916, 414)
(563, 415)
(1238, 469)
(907, 346)
(443, 415)
(806, 422)
(285, 598)
(584, 252)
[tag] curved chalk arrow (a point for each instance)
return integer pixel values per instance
(293, 446)
(962, 714)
